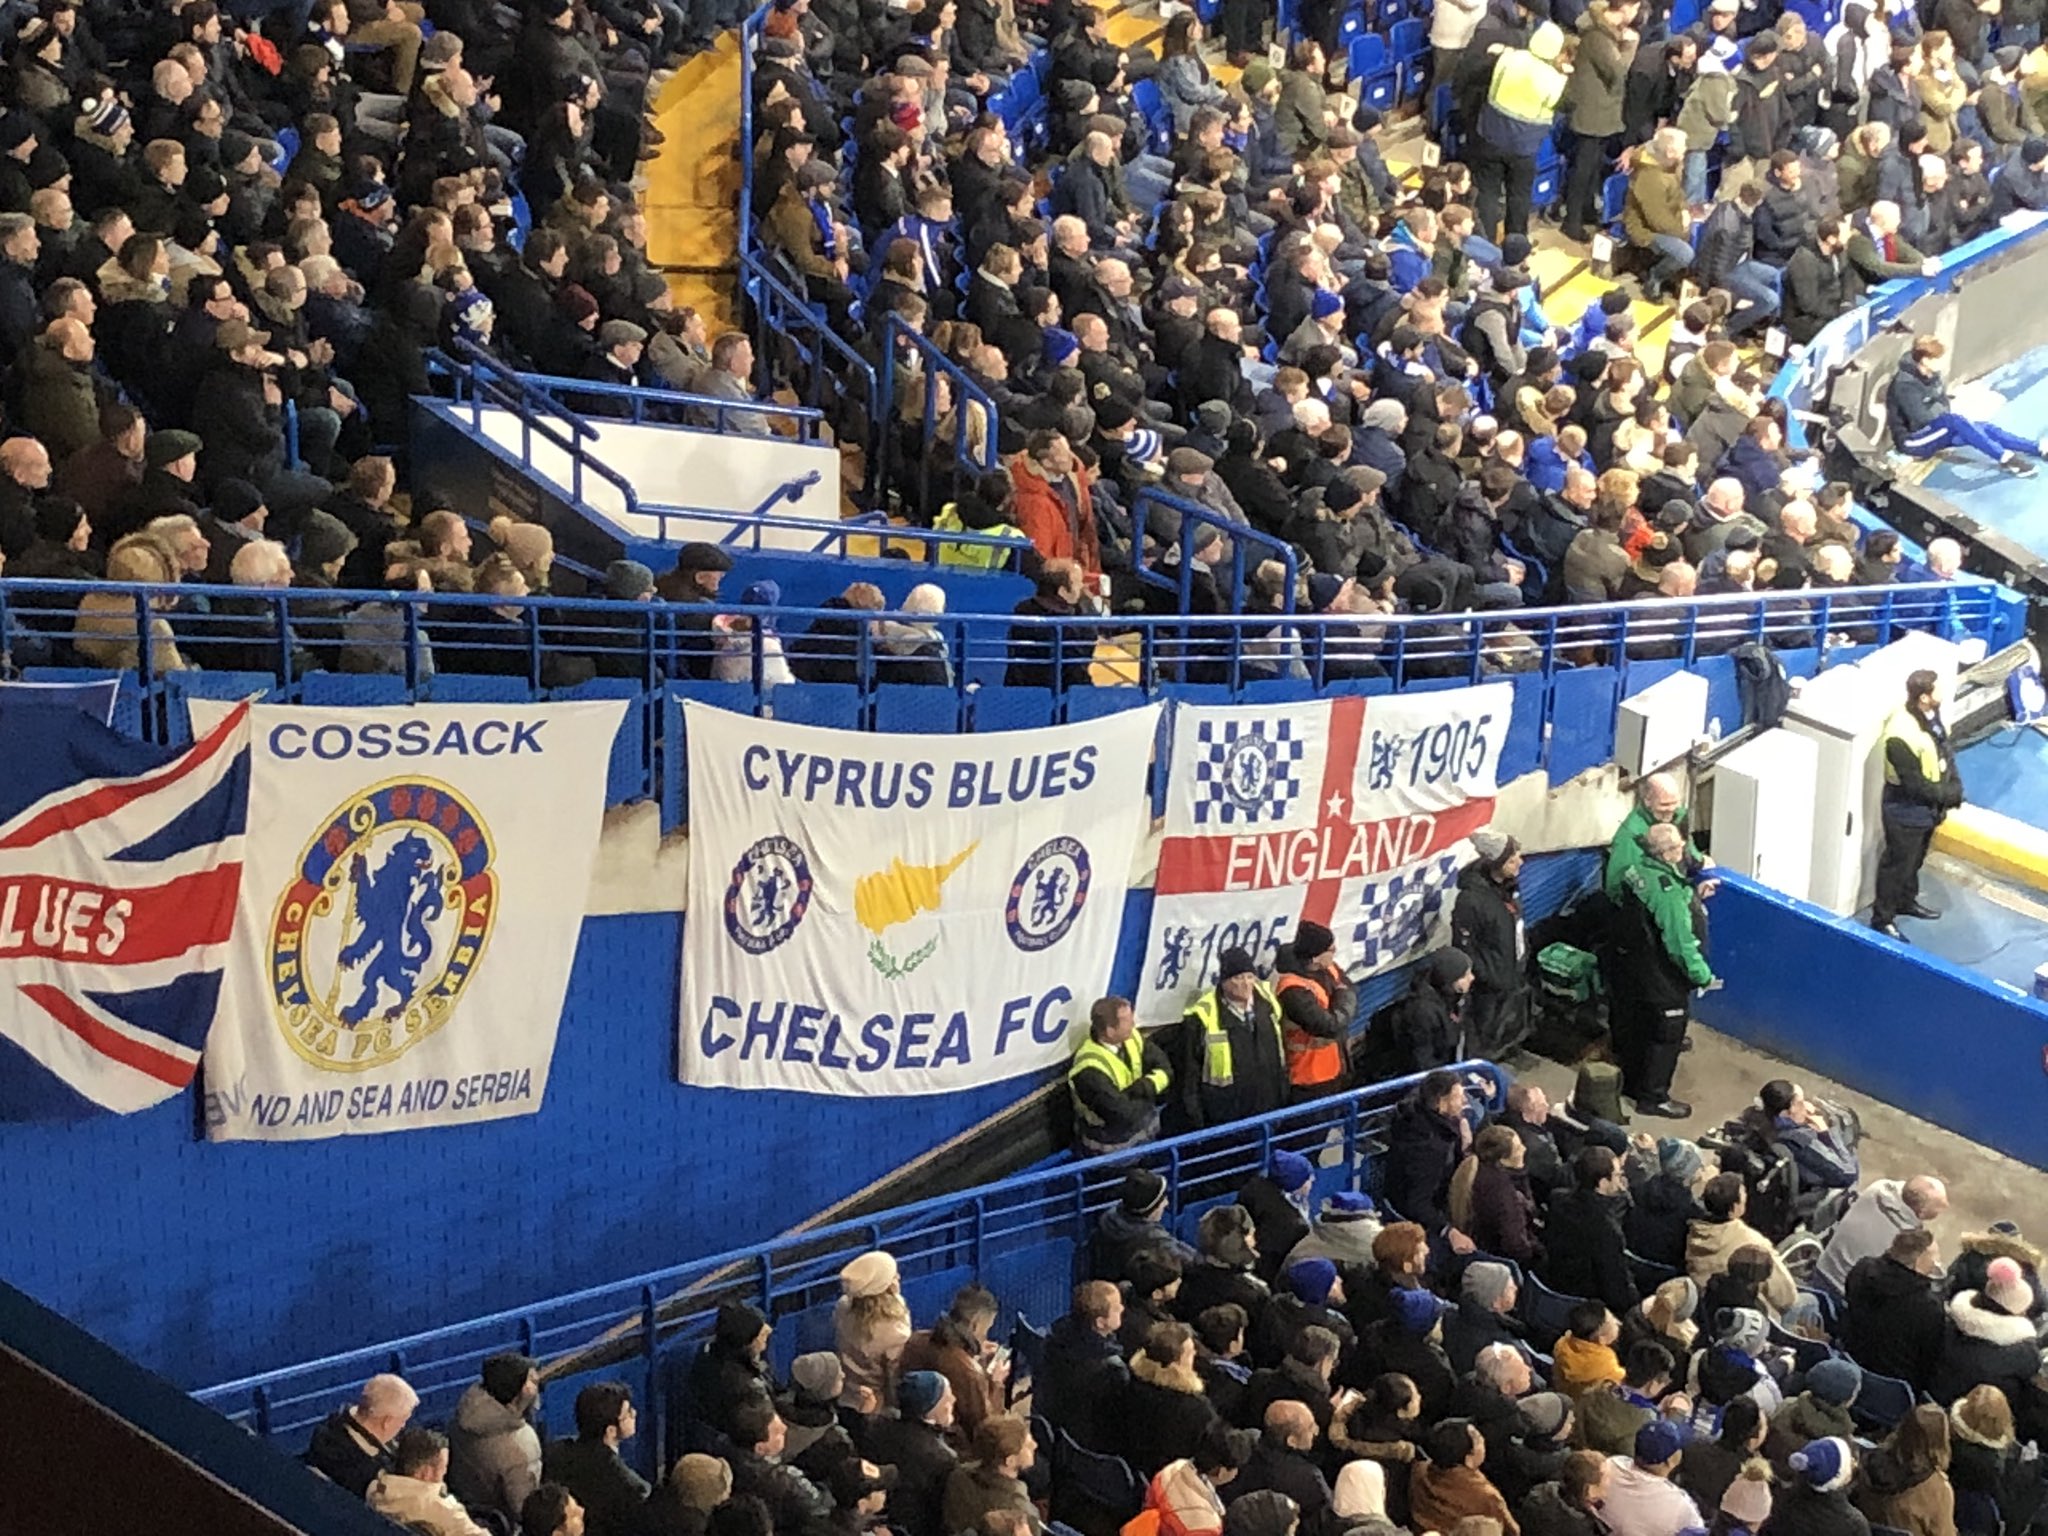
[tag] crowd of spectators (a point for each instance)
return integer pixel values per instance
(1330, 1368)
(1222, 291)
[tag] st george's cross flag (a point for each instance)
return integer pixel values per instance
(1353, 812)
(120, 863)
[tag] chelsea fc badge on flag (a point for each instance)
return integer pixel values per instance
(413, 891)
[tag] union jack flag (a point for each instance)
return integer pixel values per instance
(120, 863)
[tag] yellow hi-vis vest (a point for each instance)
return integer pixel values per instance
(1218, 1070)
(1526, 87)
(1122, 1065)
(1908, 727)
(973, 557)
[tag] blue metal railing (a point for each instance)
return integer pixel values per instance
(638, 399)
(1018, 1234)
(1000, 671)
(835, 539)
(969, 458)
(480, 382)
(1188, 518)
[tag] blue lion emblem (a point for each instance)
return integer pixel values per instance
(393, 908)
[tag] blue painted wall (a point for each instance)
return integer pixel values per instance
(208, 1261)
(1889, 1020)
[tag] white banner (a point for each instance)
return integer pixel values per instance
(1353, 812)
(893, 914)
(411, 898)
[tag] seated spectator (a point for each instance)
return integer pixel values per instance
(1163, 1413)
(1584, 1355)
(796, 1506)
(1132, 1226)
(1666, 1316)
(1816, 1498)
(1342, 1232)
(352, 1446)
(1500, 1210)
(1425, 1140)
(107, 632)
(1187, 1494)
(1831, 1389)
(1922, 422)
(917, 1444)
(1611, 1415)
(1713, 1465)
(1821, 283)
(1084, 1366)
(1712, 1240)
(1904, 1482)
(1585, 1253)
(611, 1493)
(1662, 1204)
(1002, 1450)
(551, 1510)
(1311, 1296)
(1450, 1486)
(1894, 1322)
(732, 1367)
(493, 1451)
(814, 1438)
(413, 1491)
(1991, 1340)
(1654, 215)
(1302, 1376)
(1984, 1458)
(1642, 1499)
(1284, 1463)
(957, 1346)
(1485, 1315)
(1817, 1146)
(1568, 1506)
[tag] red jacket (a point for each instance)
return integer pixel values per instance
(1041, 512)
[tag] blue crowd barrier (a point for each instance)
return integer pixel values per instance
(1188, 518)
(1002, 671)
(1021, 1237)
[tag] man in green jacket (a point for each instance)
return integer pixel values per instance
(1597, 99)
(1658, 964)
(1654, 215)
(1657, 801)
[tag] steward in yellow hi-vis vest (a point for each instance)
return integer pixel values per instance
(1117, 1081)
(1232, 1062)
(1921, 786)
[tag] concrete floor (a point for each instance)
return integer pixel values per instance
(1719, 1077)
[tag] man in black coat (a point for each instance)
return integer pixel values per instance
(1585, 1253)
(1893, 1322)
(1425, 1139)
(1083, 1369)
(239, 412)
(1303, 1377)
(1486, 923)
(1230, 1063)
(1216, 369)
(590, 1466)
(1285, 1463)
(914, 1443)
(353, 1445)
(796, 1505)
(1426, 1030)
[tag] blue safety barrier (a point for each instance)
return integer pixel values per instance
(1021, 1237)
(1248, 545)
(1569, 665)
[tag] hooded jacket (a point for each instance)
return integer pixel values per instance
(1709, 1245)
(1522, 99)
(1584, 1251)
(1985, 1345)
(1894, 1323)
(1161, 1414)
(493, 1453)
(1708, 110)
(1599, 83)
(1866, 1230)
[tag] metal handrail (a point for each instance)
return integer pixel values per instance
(487, 376)
(1192, 516)
(647, 1316)
(933, 366)
(552, 386)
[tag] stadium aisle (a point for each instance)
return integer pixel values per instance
(693, 184)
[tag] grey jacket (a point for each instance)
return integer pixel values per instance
(493, 1454)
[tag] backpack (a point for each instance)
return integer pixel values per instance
(1761, 682)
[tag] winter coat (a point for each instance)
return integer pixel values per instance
(1917, 1500)
(974, 1491)
(1894, 1323)
(1056, 530)
(612, 1494)
(1278, 1468)
(1800, 1509)
(1504, 1214)
(975, 1397)
(61, 403)
(1865, 1230)
(1986, 1346)
(346, 1453)
(1708, 111)
(1204, 1285)
(1160, 1415)
(1806, 1418)
(1599, 85)
(418, 1505)
(1659, 1213)
(1709, 1245)
(494, 1455)
(1082, 1373)
(1585, 1254)
(1640, 1503)
(1187, 1502)
(1546, 1512)
(870, 1351)
(1820, 287)
(1439, 1497)
(1423, 1029)
(1422, 1151)
(924, 1463)
(1655, 204)
(1184, 82)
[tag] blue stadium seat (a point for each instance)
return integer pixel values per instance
(346, 689)
(918, 710)
(1352, 26)
(1648, 1273)
(1409, 41)
(1373, 69)
(1613, 198)
(1547, 1312)
(287, 149)
(832, 704)
(1012, 709)
(1151, 105)
(1883, 1401)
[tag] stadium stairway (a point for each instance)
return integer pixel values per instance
(693, 183)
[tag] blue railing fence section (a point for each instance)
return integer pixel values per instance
(1020, 1236)
(794, 346)
(1248, 547)
(641, 403)
(922, 545)
(481, 382)
(921, 388)
(1002, 672)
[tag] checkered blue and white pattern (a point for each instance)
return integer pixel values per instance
(1246, 771)
(1401, 911)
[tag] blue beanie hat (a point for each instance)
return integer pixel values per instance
(1415, 1310)
(1657, 1442)
(1826, 1464)
(1060, 345)
(918, 1393)
(1291, 1170)
(1835, 1381)
(1348, 1205)
(1325, 304)
(1311, 1280)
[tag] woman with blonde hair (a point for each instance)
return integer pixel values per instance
(107, 632)
(1905, 1480)
(871, 1325)
(529, 546)
(1983, 1459)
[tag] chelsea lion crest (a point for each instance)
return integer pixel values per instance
(768, 894)
(1047, 895)
(383, 925)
